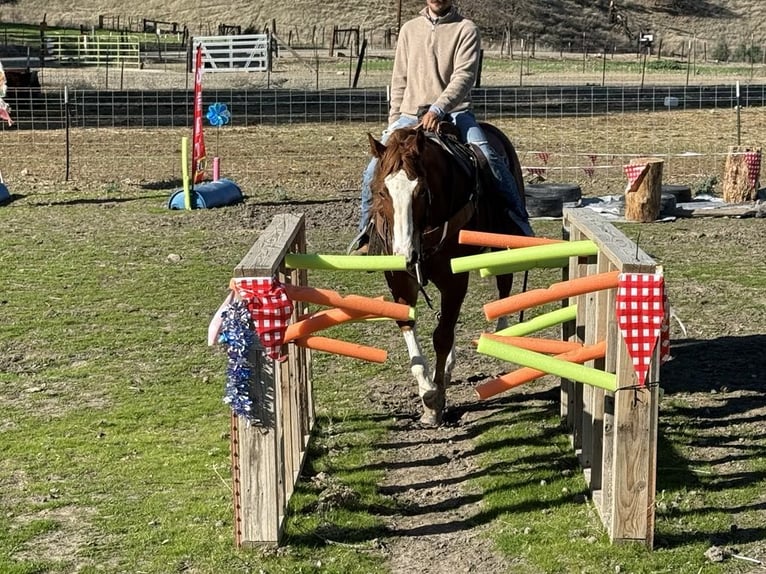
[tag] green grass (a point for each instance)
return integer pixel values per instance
(112, 403)
(114, 447)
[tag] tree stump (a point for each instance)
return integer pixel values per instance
(741, 174)
(644, 192)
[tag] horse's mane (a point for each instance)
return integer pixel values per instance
(401, 153)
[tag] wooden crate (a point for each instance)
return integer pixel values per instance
(614, 434)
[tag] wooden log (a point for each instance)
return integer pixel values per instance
(643, 195)
(741, 174)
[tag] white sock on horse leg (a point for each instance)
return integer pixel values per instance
(418, 362)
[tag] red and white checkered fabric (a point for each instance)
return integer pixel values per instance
(544, 156)
(633, 172)
(537, 170)
(753, 162)
(270, 309)
(640, 315)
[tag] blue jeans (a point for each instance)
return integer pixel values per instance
(470, 132)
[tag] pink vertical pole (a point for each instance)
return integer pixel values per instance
(216, 168)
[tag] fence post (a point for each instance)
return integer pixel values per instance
(618, 429)
(269, 450)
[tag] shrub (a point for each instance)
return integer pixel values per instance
(721, 51)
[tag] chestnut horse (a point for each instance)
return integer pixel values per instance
(423, 195)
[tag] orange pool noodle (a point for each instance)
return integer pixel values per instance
(330, 298)
(321, 320)
(344, 348)
(500, 240)
(539, 345)
(556, 292)
(527, 374)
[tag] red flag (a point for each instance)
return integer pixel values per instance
(198, 137)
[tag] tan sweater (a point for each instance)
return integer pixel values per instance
(435, 64)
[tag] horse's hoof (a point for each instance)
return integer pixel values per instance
(429, 398)
(431, 419)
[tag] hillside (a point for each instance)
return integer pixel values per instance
(554, 24)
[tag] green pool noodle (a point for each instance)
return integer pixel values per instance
(524, 254)
(517, 267)
(551, 365)
(540, 322)
(346, 262)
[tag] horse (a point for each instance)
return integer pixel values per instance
(422, 197)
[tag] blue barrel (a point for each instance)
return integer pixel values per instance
(208, 194)
(4, 195)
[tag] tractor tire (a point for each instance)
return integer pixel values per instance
(548, 199)
(682, 193)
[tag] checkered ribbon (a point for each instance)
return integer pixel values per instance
(640, 315)
(753, 162)
(270, 309)
(633, 172)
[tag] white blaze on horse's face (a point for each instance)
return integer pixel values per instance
(400, 187)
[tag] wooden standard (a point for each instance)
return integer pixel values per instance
(268, 453)
(741, 174)
(615, 434)
(642, 198)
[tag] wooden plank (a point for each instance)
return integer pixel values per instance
(633, 435)
(741, 211)
(262, 468)
(607, 463)
(599, 333)
(590, 413)
(566, 401)
(631, 467)
(287, 429)
(628, 471)
(577, 268)
(266, 255)
(295, 450)
(258, 462)
(616, 246)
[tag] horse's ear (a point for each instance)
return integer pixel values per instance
(376, 147)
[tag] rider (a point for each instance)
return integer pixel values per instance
(436, 62)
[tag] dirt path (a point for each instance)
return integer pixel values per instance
(440, 525)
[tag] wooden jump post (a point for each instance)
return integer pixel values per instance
(614, 433)
(268, 453)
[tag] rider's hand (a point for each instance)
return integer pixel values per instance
(430, 122)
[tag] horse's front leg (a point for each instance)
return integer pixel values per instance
(405, 290)
(418, 363)
(452, 295)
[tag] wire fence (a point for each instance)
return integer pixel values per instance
(284, 143)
